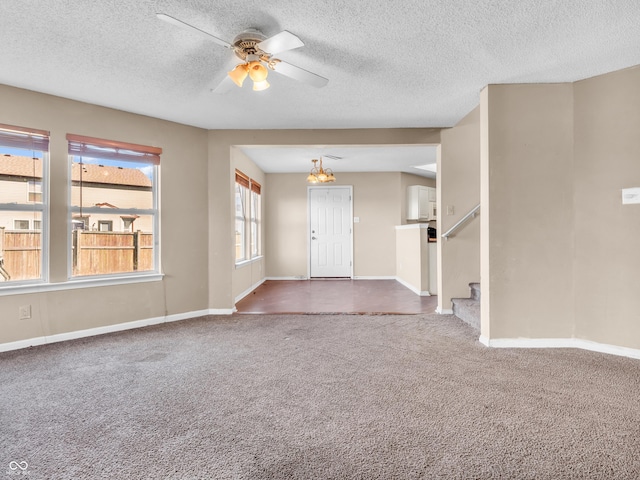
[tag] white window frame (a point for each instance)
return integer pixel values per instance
(21, 222)
(255, 220)
(96, 148)
(240, 223)
(33, 140)
(249, 217)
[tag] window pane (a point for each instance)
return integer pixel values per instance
(111, 184)
(255, 224)
(101, 252)
(113, 216)
(240, 255)
(21, 211)
(240, 207)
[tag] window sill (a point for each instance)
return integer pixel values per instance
(244, 263)
(77, 283)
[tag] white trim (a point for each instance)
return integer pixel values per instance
(446, 311)
(244, 263)
(560, 343)
(79, 282)
(249, 290)
(412, 288)
(300, 277)
(118, 327)
(374, 277)
(351, 235)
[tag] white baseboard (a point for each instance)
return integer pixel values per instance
(369, 277)
(412, 288)
(249, 290)
(560, 343)
(287, 278)
(444, 311)
(118, 327)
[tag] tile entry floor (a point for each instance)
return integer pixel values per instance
(335, 296)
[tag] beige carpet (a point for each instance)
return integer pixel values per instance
(294, 396)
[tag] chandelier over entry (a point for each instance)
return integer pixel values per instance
(319, 174)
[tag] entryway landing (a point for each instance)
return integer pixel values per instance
(335, 296)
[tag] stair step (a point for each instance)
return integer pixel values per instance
(467, 310)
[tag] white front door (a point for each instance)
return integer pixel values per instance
(330, 231)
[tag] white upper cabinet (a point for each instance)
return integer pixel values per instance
(421, 203)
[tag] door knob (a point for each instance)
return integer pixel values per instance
(313, 238)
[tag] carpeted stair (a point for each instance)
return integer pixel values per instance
(468, 309)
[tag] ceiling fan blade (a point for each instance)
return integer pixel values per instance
(300, 74)
(280, 42)
(181, 24)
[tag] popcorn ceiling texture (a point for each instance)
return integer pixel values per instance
(395, 63)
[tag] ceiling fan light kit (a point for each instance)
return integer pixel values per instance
(257, 52)
(319, 174)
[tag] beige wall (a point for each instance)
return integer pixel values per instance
(183, 190)
(528, 174)
(459, 187)
(377, 199)
(607, 233)
(412, 257)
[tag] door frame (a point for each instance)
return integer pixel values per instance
(311, 187)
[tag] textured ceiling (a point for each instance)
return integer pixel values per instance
(393, 63)
(344, 158)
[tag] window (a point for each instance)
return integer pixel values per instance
(23, 203)
(21, 224)
(105, 226)
(248, 217)
(112, 184)
(242, 187)
(255, 219)
(35, 191)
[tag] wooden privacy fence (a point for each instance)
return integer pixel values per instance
(20, 253)
(94, 253)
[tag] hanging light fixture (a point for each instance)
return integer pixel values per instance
(255, 70)
(319, 174)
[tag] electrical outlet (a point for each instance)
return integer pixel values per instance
(24, 312)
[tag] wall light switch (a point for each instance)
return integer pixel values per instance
(630, 195)
(451, 210)
(356, 219)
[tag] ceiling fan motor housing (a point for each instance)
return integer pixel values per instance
(245, 43)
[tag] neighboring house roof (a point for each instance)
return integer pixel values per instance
(20, 166)
(27, 167)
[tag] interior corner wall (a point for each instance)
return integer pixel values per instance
(459, 189)
(528, 171)
(183, 220)
(607, 233)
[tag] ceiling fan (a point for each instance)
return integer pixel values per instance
(257, 53)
